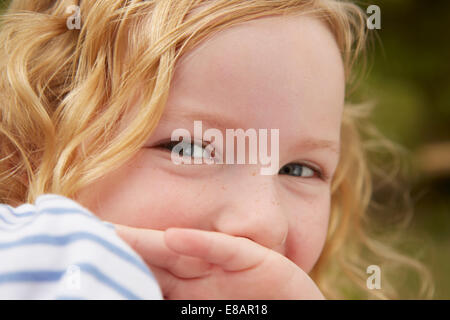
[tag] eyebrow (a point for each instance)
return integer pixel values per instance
(219, 121)
(211, 120)
(313, 144)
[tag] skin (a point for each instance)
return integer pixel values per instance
(255, 236)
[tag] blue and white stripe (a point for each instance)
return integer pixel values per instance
(41, 243)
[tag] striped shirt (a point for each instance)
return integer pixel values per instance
(57, 249)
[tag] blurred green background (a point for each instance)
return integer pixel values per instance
(409, 79)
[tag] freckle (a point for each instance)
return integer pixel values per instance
(254, 174)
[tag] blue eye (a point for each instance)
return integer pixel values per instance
(186, 149)
(299, 170)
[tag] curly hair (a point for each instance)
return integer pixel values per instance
(62, 87)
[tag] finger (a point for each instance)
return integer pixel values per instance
(229, 252)
(151, 246)
(175, 288)
(166, 281)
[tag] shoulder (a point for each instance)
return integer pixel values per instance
(62, 248)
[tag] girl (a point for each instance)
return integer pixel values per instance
(88, 112)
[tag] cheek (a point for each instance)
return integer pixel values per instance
(142, 195)
(168, 201)
(307, 232)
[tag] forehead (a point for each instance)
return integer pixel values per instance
(271, 72)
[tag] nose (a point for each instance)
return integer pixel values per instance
(254, 211)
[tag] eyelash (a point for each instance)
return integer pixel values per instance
(170, 144)
(317, 172)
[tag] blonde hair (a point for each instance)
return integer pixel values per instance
(60, 88)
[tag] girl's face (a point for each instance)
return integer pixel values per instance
(275, 72)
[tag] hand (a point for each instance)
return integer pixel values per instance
(197, 264)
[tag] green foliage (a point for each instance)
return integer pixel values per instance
(410, 81)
